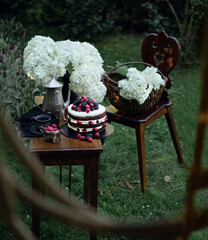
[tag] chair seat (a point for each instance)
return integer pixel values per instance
(132, 120)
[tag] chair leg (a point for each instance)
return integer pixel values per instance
(173, 132)
(141, 156)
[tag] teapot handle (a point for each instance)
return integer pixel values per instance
(37, 90)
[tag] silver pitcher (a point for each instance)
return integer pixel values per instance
(53, 100)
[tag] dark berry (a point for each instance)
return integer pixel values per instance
(77, 102)
(97, 121)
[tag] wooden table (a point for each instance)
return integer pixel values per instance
(69, 152)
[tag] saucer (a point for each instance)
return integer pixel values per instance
(36, 131)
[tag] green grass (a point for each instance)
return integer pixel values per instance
(119, 161)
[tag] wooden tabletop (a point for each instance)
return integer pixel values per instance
(39, 145)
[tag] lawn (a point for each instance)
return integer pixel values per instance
(119, 162)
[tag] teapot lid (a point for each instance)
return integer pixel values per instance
(53, 83)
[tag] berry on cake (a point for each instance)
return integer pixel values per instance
(87, 118)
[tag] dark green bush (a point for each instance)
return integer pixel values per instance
(86, 19)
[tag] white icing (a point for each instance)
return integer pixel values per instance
(93, 113)
(87, 122)
(81, 129)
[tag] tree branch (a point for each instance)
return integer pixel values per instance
(175, 15)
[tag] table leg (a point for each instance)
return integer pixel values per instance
(141, 156)
(70, 173)
(35, 212)
(60, 176)
(94, 190)
(86, 183)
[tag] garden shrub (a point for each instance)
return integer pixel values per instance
(15, 87)
(86, 19)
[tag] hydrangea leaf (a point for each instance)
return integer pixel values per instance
(70, 68)
(122, 70)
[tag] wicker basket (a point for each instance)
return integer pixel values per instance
(132, 107)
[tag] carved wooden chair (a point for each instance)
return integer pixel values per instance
(162, 52)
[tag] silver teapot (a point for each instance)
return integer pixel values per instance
(53, 100)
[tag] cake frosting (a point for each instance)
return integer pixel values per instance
(87, 116)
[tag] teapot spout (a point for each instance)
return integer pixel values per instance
(66, 104)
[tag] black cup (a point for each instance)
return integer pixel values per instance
(41, 120)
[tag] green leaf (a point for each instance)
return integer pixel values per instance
(122, 70)
(70, 68)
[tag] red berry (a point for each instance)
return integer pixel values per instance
(91, 123)
(73, 107)
(50, 128)
(78, 122)
(89, 139)
(78, 135)
(106, 118)
(91, 105)
(87, 106)
(94, 129)
(85, 99)
(79, 109)
(55, 129)
(91, 100)
(46, 128)
(82, 138)
(80, 105)
(84, 130)
(97, 134)
(87, 110)
(54, 125)
(104, 125)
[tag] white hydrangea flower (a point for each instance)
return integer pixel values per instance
(150, 73)
(42, 60)
(43, 57)
(86, 81)
(139, 84)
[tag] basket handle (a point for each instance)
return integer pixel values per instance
(129, 63)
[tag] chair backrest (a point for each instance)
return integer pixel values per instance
(161, 51)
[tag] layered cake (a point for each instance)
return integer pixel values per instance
(87, 118)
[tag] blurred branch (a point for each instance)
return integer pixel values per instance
(175, 15)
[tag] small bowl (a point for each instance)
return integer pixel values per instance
(51, 136)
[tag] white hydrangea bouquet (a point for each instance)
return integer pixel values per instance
(139, 84)
(44, 57)
(133, 91)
